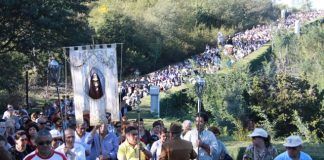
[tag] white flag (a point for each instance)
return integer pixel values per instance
(95, 84)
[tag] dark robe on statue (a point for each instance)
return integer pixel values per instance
(95, 90)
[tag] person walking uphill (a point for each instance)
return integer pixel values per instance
(176, 148)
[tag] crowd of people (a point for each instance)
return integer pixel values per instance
(164, 79)
(234, 47)
(54, 134)
(23, 137)
(302, 17)
(249, 41)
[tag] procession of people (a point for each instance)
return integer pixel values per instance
(232, 48)
(50, 134)
(42, 138)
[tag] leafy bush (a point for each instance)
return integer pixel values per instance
(302, 54)
(14, 98)
(283, 101)
(178, 105)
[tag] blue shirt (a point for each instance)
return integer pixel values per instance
(221, 150)
(109, 146)
(285, 156)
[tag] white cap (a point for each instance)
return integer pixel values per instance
(55, 133)
(186, 123)
(293, 141)
(10, 106)
(259, 132)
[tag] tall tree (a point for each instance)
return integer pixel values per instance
(42, 24)
(31, 29)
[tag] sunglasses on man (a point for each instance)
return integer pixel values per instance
(43, 143)
(292, 148)
(257, 137)
(57, 139)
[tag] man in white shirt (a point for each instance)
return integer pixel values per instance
(157, 145)
(72, 150)
(203, 138)
(83, 137)
(57, 139)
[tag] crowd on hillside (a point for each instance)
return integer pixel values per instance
(54, 134)
(302, 17)
(46, 135)
(249, 41)
(233, 47)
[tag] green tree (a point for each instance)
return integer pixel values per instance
(141, 44)
(42, 25)
(162, 32)
(30, 30)
(11, 66)
(239, 14)
(285, 100)
(302, 54)
(224, 99)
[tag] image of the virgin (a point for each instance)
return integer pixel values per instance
(96, 87)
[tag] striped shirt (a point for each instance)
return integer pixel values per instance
(53, 156)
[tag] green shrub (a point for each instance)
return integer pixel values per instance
(14, 98)
(177, 105)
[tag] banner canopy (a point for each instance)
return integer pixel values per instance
(95, 83)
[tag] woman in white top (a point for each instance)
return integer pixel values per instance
(186, 130)
(157, 145)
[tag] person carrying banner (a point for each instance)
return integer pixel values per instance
(128, 150)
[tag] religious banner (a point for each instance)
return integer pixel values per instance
(95, 83)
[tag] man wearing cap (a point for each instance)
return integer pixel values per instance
(176, 148)
(57, 138)
(293, 146)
